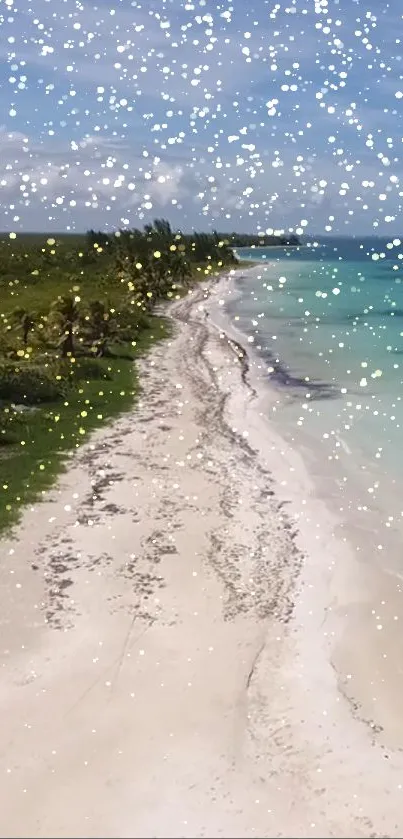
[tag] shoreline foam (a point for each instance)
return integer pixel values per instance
(185, 683)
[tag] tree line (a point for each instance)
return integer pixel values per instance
(248, 240)
(91, 301)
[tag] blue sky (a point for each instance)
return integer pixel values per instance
(238, 115)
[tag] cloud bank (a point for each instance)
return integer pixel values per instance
(270, 116)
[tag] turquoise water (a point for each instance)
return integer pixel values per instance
(327, 325)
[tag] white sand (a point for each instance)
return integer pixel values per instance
(177, 661)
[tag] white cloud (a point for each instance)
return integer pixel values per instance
(101, 180)
(96, 174)
(159, 92)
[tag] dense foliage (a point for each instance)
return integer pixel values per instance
(75, 313)
(247, 240)
(67, 296)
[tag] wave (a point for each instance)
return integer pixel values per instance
(376, 313)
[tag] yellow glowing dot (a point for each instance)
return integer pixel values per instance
(41, 467)
(13, 235)
(5, 486)
(21, 353)
(172, 248)
(82, 430)
(8, 507)
(51, 241)
(84, 413)
(157, 254)
(57, 418)
(138, 265)
(23, 442)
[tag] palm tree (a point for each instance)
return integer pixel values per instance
(25, 320)
(100, 326)
(180, 268)
(147, 284)
(163, 228)
(65, 314)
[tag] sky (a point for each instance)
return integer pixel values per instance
(247, 115)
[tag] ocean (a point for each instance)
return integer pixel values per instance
(324, 325)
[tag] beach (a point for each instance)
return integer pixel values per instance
(189, 645)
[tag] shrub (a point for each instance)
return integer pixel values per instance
(84, 368)
(10, 422)
(29, 383)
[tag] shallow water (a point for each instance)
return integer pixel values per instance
(327, 324)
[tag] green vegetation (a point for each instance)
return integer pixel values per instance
(76, 313)
(248, 240)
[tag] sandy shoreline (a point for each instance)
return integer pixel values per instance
(173, 625)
